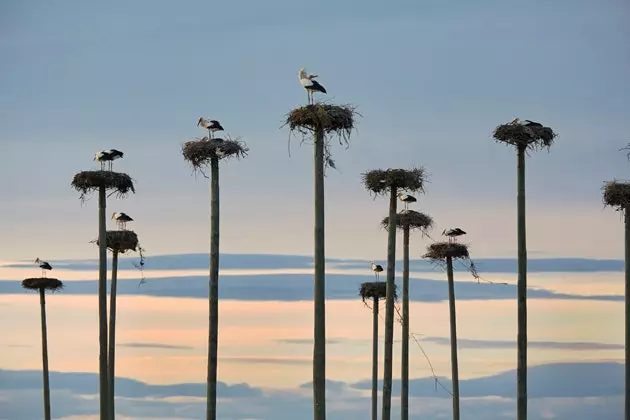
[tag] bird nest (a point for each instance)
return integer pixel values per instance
(412, 220)
(114, 182)
(439, 251)
(199, 152)
(375, 290)
(42, 283)
(529, 137)
(381, 181)
(338, 120)
(617, 194)
(121, 240)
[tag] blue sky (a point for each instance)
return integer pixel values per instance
(430, 78)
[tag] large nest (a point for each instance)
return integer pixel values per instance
(121, 240)
(519, 135)
(439, 251)
(199, 152)
(380, 181)
(338, 120)
(375, 289)
(412, 220)
(42, 283)
(114, 182)
(617, 195)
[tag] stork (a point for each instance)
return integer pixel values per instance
(108, 156)
(376, 269)
(121, 219)
(44, 266)
(526, 123)
(406, 198)
(452, 234)
(307, 82)
(219, 152)
(211, 125)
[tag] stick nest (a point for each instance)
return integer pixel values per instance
(45, 283)
(121, 240)
(118, 183)
(381, 181)
(530, 137)
(338, 120)
(411, 219)
(199, 152)
(617, 195)
(375, 289)
(439, 251)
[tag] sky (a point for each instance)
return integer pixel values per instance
(431, 80)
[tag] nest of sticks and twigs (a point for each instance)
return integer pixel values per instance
(412, 220)
(87, 182)
(331, 119)
(617, 194)
(374, 290)
(199, 152)
(519, 135)
(439, 251)
(380, 181)
(121, 240)
(42, 283)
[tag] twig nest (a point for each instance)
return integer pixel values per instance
(519, 135)
(334, 119)
(89, 181)
(42, 283)
(199, 152)
(617, 195)
(121, 240)
(374, 289)
(412, 220)
(380, 181)
(439, 251)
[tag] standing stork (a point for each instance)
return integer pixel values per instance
(376, 269)
(121, 219)
(406, 198)
(452, 234)
(108, 156)
(526, 123)
(211, 125)
(43, 265)
(307, 82)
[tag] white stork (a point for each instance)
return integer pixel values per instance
(307, 82)
(121, 219)
(452, 234)
(220, 152)
(108, 156)
(211, 125)
(376, 269)
(526, 123)
(406, 198)
(44, 266)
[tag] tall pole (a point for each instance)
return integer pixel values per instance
(42, 304)
(319, 339)
(521, 368)
(404, 381)
(453, 319)
(627, 319)
(112, 336)
(375, 359)
(102, 305)
(213, 329)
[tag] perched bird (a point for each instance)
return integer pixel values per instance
(453, 233)
(376, 268)
(108, 156)
(307, 82)
(406, 198)
(211, 125)
(44, 266)
(526, 123)
(121, 219)
(219, 152)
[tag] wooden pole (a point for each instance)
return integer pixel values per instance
(627, 319)
(404, 376)
(521, 368)
(42, 305)
(453, 319)
(375, 359)
(102, 305)
(111, 362)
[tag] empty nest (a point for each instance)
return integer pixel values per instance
(199, 152)
(374, 289)
(380, 181)
(87, 182)
(439, 251)
(412, 220)
(42, 283)
(617, 195)
(519, 135)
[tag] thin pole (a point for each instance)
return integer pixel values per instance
(42, 305)
(112, 336)
(213, 297)
(375, 359)
(404, 387)
(521, 367)
(627, 320)
(319, 327)
(102, 305)
(453, 319)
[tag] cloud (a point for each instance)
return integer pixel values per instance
(154, 346)
(307, 341)
(267, 360)
(464, 343)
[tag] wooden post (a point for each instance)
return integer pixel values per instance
(102, 305)
(453, 319)
(42, 305)
(521, 368)
(111, 362)
(375, 359)
(404, 376)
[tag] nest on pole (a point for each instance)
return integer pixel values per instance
(374, 289)
(439, 251)
(121, 241)
(199, 152)
(379, 181)
(412, 220)
(617, 195)
(86, 182)
(533, 138)
(42, 283)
